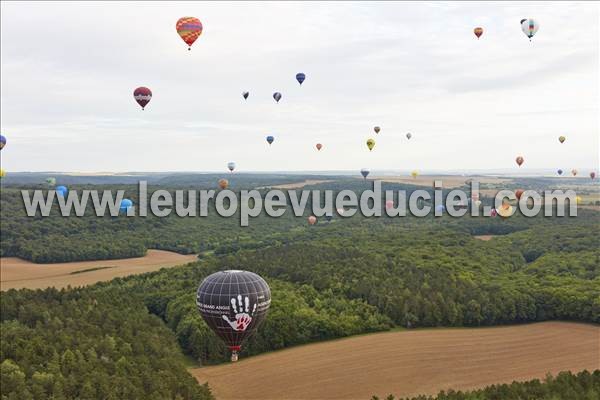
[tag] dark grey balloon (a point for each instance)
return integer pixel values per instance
(233, 303)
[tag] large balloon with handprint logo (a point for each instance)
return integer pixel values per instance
(233, 304)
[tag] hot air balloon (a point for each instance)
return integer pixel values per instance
(231, 166)
(440, 208)
(414, 174)
(189, 28)
(574, 172)
(593, 175)
(312, 220)
(505, 211)
(245, 95)
(233, 304)
(270, 139)
(364, 172)
(493, 212)
(319, 146)
(2, 173)
(2, 142)
(142, 95)
(370, 144)
(61, 190)
(408, 135)
(477, 203)
(223, 183)
(560, 171)
(277, 96)
(519, 160)
(51, 182)
(519, 193)
(329, 218)
(578, 199)
(300, 77)
(389, 204)
(376, 129)
(478, 32)
(340, 211)
(529, 27)
(126, 204)
(562, 139)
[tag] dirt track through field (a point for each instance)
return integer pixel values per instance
(408, 363)
(17, 273)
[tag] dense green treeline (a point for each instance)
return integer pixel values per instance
(565, 386)
(88, 344)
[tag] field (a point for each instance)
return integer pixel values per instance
(408, 363)
(448, 181)
(16, 273)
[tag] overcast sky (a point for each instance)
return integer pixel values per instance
(69, 70)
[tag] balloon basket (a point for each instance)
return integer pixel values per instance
(234, 356)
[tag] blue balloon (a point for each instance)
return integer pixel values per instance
(270, 139)
(125, 205)
(300, 77)
(440, 208)
(559, 171)
(61, 190)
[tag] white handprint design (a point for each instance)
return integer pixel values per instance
(243, 315)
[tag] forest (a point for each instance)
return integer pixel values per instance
(133, 337)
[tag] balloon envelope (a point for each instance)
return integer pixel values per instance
(529, 27)
(574, 172)
(277, 96)
(562, 139)
(189, 29)
(519, 193)
(223, 183)
(440, 208)
(592, 175)
(300, 77)
(125, 205)
(478, 32)
(61, 190)
(233, 304)
(319, 146)
(231, 166)
(312, 220)
(389, 204)
(560, 171)
(408, 135)
(519, 160)
(2, 173)
(51, 181)
(2, 142)
(364, 172)
(377, 129)
(245, 95)
(270, 139)
(414, 174)
(370, 144)
(142, 95)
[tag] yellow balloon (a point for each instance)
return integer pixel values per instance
(578, 199)
(2, 173)
(414, 174)
(505, 211)
(370, 144)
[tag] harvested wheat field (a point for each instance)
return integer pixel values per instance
(408, 363)
(485, 238)
(448, 181)
(17, 273)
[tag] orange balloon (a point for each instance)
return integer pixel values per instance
(519, 193)
(223, 183)
(312, 220)
(189, 29)
(478, 32)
